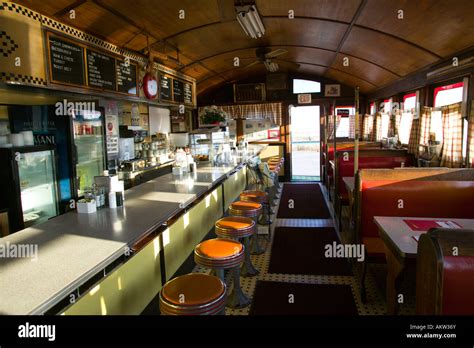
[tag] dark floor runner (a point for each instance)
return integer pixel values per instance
(298, 250)
(274, 298)
(308, 202)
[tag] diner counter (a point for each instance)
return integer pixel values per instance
(73, 247)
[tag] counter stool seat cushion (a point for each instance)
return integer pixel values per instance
(197, 288)
(219, 253)
(254, 196)
(244, 208)
(235, 227)
(193, 294)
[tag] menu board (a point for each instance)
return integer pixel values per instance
(188, 93)
(100, 70)
(126, 77)
(66, 62)
(165, 87)
(178, 91)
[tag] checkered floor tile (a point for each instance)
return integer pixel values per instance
(375, 278)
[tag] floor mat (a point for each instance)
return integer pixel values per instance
(303, 201)
(297, 250)
(278, 298)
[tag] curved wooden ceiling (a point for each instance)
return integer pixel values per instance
(381, 48)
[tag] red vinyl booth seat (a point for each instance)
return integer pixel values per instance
(346, 168)
(458, 285)
(439, 199)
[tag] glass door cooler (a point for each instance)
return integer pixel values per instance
(89, 148)
(28, 185)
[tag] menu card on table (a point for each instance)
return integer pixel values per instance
(425, 225)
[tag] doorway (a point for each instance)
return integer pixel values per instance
(305, 143)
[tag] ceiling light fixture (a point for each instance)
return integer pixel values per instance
(250, 21)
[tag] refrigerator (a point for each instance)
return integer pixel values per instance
(89, 154)
(28, 185)
(79, 140)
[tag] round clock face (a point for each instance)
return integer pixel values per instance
(150, 86)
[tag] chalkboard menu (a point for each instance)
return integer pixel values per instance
(66, 61)
(188, 93)
(100, 70)
(126, 77)
(178, 91)
(165, 87)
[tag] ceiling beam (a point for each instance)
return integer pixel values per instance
(292, 46)
(72, 6)
(348, 30)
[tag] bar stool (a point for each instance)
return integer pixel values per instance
(261, 197)
(220, 254)
(251, 210)
(237, 227)
(193, 294)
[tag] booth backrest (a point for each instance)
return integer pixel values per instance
(368, 160)
(445, 282)
(413, 193)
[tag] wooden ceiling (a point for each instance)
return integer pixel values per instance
(381, 48)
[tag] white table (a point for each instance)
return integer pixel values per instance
(401, 249)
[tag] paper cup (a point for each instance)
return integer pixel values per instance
(28, 137)
(17, 140)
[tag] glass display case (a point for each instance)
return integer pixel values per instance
(28, 189)
(89, 144)
(37, 186)
(208, 144)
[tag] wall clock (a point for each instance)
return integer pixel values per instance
(150, 86)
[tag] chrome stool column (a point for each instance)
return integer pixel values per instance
(251, 210)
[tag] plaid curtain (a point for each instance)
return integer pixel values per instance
(451, 153)
(264, 111)
(351, 126)
(425, 126)
(397, 120)
(331, 125)
(368, 127)
(471, 137)
(378, 126)
(414, 141)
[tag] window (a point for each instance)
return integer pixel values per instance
(345, 114)
(409, 102)
(385, 125)
(449, 94)
(386, 106)
(372, 108)
(436, 125)
(306, 86)
(406, 121)
(465, 131)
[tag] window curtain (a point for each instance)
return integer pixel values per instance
(414, 141)
(351, 126)
(397, 121)
(368, 127)
(471, 137)
(378, 126)
(451, 153)
(420, 131)
(263, 111)
(331, 130)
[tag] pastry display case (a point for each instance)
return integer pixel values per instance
(207, 144)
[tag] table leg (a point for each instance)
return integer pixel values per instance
(394, 269)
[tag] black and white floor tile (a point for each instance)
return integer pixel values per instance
(375, 278)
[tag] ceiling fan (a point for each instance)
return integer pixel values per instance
(269, 58)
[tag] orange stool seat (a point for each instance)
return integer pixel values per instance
(193, 294)
(235, 227)
(219, 253)
(256, 196)
(244, 208)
